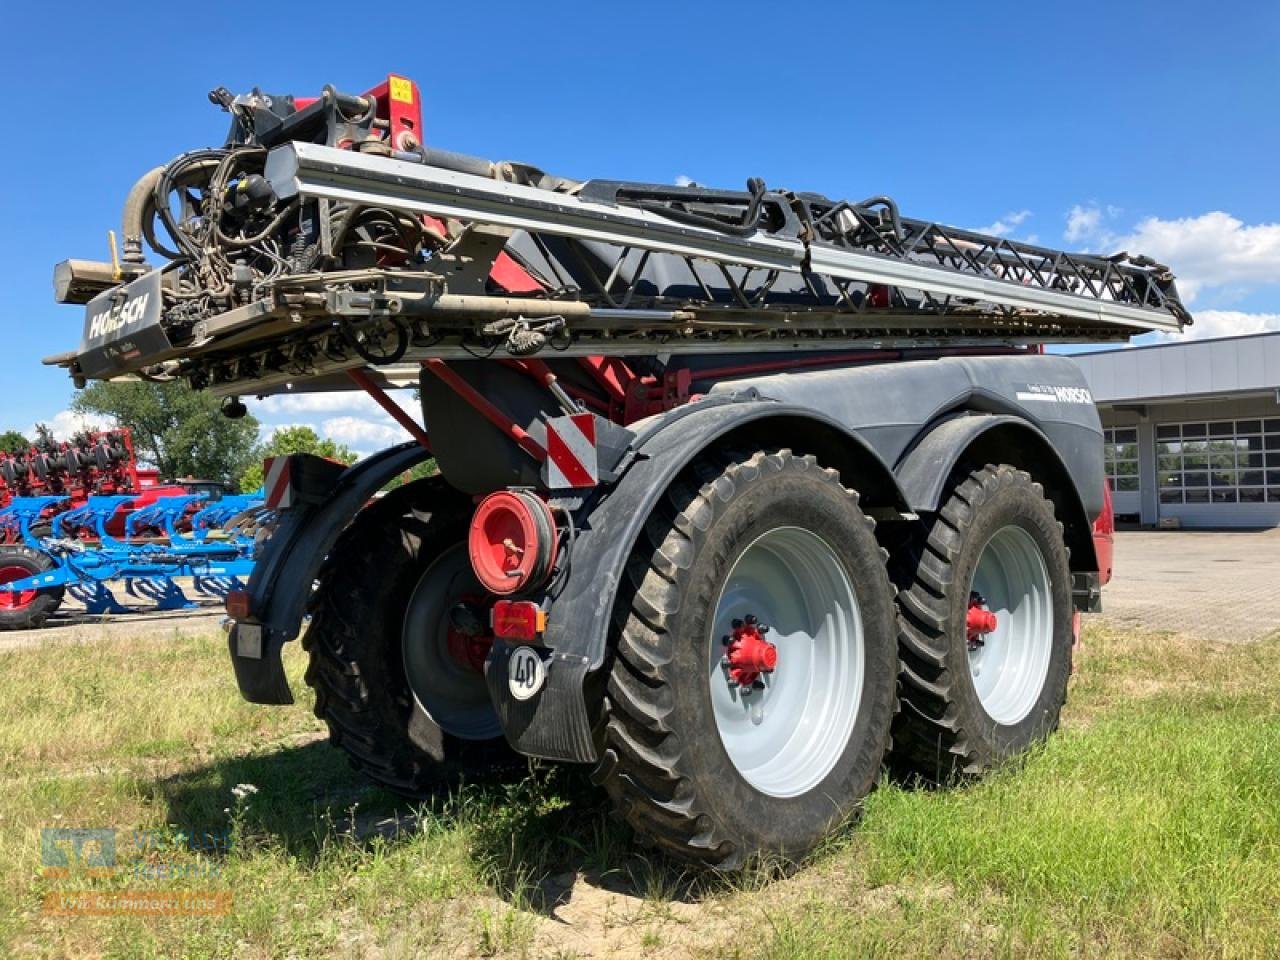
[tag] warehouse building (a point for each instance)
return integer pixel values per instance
(1192, 429)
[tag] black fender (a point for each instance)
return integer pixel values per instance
(557, 722)
(281, 583)
(924, 471)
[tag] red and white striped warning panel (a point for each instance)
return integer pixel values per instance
(571, 452)
(279, 489)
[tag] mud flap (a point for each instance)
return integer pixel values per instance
(282, 579)
(553, 723)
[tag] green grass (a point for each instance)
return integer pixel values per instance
(1149, 825)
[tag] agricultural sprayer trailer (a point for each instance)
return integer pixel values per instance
(740, 493)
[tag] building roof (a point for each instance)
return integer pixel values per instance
(1184, 369)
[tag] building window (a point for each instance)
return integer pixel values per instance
(1120, 449)
(1219, 461)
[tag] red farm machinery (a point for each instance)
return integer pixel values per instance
(78, 513)
(740, 493)
(91, 463)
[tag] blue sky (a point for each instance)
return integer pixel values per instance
(1094, 125)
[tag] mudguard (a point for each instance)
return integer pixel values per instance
(923, 472)
(556, 723)
(282, 579)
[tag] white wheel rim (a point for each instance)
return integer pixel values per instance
(785, 738)
(1010, 666)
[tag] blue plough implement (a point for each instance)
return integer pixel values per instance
(211, 542)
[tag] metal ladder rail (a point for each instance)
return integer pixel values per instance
(929, 259)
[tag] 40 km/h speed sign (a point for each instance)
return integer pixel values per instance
(525, 673)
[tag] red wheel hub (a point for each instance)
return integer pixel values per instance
(749, 654)
(979, 621)
(10, 600)
(468, 639)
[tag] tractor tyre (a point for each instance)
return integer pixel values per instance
(30, 608)
(976, 691)
(714, 749)
(397, 679)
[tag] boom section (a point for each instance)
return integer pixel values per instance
(835, 245)
(314, 243)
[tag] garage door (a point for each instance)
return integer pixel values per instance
(1220, 472)
(1120, 446)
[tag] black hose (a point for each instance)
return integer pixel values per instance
(745, 227)
(134, 220)
(352, 337)
(186, 170)
(880, 200)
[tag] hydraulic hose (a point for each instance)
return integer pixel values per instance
(190, 170)
(137, 207)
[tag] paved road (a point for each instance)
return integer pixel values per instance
(72, 625)
(1216, 585)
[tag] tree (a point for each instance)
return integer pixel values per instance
(180, 431)
(11, 441)
(427, 468)
(288, 440)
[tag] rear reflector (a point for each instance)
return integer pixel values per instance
(518, 620)
(299, 478)
(572, 460)
(238, 604)
(1104, 535)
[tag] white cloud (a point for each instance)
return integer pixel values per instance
(348, 417)
(1227, 323)
(67, 423)
(1082, 223)
(1005, 225)
(363, 435)
(1087, 225)
(314, 404)
(683, 181)
(1213, 250)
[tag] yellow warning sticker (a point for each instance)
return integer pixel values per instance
(401, 90)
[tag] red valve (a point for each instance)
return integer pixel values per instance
(750, 654)
(979, 621)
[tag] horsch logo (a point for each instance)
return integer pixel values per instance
(1055, 393)
(119, 316)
